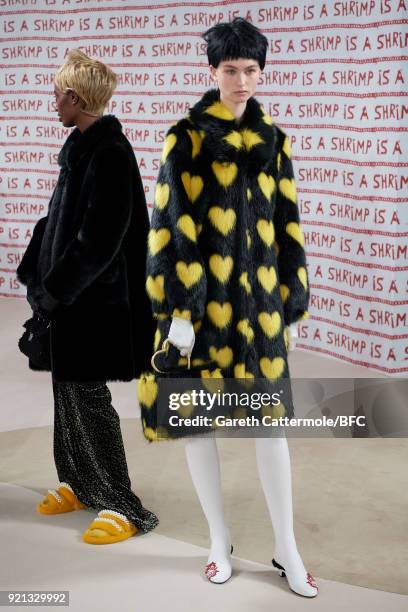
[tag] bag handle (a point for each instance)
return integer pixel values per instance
(164, 349)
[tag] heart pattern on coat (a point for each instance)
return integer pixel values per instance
(221, 267)
(219, 314)
(158, 239)
(155, 287)
(168, 145)
(270, 323)
(267, 277)
(234, 138)
(196, 141)
(287, 187)
(225, 172)
(287, 148)
(157, 338)
(147, 390)
(267, 185)
(222, 356)
(241, 372)
(251, 139)
(278, 162)
(266, 231)
(272, 368)
(293, 229)
(161, 195)
(246, 330)
(284, 292)
(182, 314)
(243, 279)
(219, 110)
(222, 220)
(187, 226)
(193, 186)
(189, 274)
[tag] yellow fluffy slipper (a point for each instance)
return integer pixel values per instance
(109, 527)
(59, 501)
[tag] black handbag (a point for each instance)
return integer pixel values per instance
(155, 416)
(162, 421)
(35, 342)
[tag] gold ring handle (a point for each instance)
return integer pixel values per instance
(164, 349)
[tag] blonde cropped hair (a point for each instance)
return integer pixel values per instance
(92, 81)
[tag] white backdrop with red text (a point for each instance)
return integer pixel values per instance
(335, 81)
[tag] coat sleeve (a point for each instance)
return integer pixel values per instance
(27, 266)
(292, 270)
(176, 278)
(26, 270)
(102, 230)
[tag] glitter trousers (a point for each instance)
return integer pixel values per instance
(89, 453)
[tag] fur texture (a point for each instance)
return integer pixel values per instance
(86, 260)
(226, 248)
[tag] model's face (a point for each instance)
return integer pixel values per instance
(237, 79)
(67, 106)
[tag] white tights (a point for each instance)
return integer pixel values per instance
(274, 469)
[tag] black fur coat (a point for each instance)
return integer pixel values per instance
(86, 260)
(226, 249)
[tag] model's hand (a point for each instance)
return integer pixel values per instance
(181, 334)
(39, 304)
(292, 333)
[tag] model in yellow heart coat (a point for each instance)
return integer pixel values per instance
(226, 249)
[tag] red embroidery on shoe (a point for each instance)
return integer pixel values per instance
(310, 580)
(211, 570)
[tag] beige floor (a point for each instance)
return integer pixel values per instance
(150, 573)
(350, 498)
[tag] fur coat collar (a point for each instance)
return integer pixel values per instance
(253, 138)
(79, 143)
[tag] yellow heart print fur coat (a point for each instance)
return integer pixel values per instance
(225, 248)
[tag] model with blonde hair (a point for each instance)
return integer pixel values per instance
(91, 81)
(84, 269)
